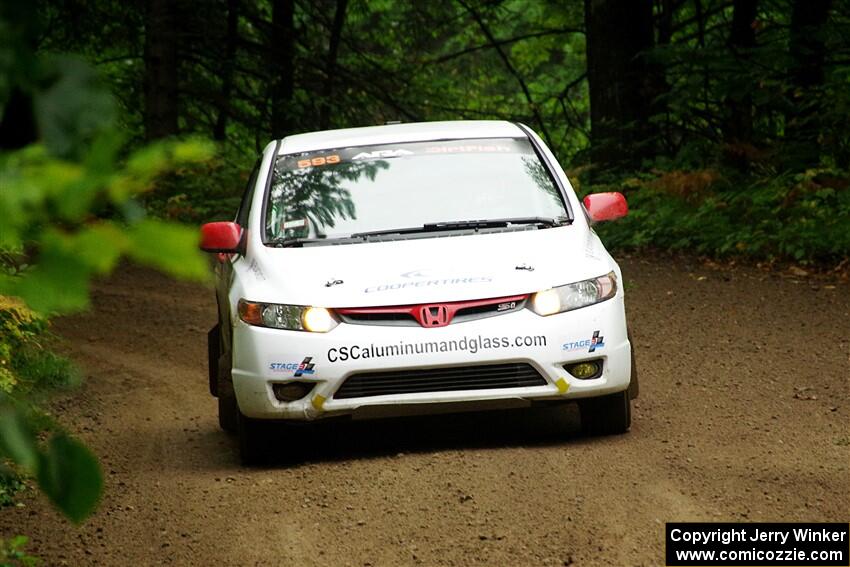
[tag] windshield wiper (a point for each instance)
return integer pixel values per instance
(366, 235)
(293, 242)
(541, 222)
(545, 222)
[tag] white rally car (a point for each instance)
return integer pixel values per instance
(415, 268)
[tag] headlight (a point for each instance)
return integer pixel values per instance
(574, 295)
(318, 320)
(292, 317)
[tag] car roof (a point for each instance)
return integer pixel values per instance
(399, 133)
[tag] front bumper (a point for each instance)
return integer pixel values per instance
(263, 357)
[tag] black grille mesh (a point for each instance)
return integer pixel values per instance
(449, 379)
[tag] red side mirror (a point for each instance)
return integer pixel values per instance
(221, 237)
(606, 206)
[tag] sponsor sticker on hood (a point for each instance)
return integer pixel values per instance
(426, 279)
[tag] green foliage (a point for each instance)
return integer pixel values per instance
(17, 439)
(10, 485)
(20, 328)
(804, 217)
(27, 371)
(716, 104)
(70, 475)
(66, 471)
(68, 213)
(13, 554)
(74, 109)
(41, 371)
(200, 192)
(58, 207)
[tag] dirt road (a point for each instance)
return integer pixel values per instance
(744, 415)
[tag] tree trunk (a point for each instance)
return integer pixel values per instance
(665, 21)
(161, 68)
(281, 62)
(807, 52)
(659, 87)
(700, 17)
(17, 123)
(742, 39)
(230, 40)
(330, 66)
(618, 32)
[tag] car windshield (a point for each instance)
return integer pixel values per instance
(332, 194)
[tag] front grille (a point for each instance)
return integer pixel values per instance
(449, 379)
(403, 315)
(388, 319)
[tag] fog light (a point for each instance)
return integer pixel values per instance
(291, 391)
(585, 370)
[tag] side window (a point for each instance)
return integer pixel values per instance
(247, 197)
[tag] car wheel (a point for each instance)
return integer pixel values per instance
(606, 415)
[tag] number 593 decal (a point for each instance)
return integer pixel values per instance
(318, 161)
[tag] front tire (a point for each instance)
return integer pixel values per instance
(606, 415)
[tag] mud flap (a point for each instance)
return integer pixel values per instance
(634, 386)
(213, 353)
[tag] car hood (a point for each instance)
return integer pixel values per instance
(425, 270)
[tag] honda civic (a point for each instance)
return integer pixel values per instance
(415, 268)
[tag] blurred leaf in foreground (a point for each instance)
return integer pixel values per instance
(70, 476)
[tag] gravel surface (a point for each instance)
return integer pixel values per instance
(743, 416)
